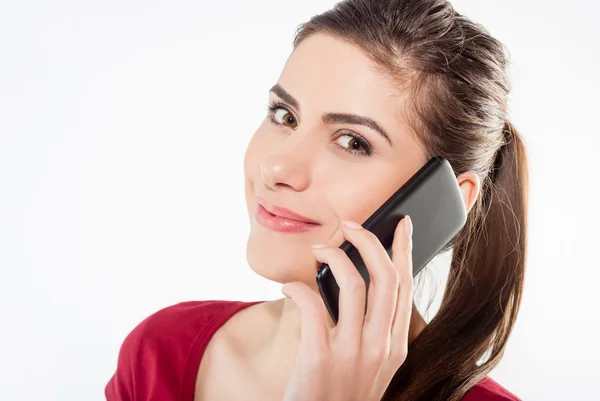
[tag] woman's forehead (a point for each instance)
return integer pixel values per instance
(321, 61)
(325, 74)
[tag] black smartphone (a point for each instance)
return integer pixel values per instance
(432, 199)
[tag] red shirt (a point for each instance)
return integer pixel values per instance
(159, 359)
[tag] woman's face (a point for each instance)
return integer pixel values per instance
(335, 148)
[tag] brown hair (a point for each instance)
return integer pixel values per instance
(456, 77)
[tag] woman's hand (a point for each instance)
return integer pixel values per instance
(357, 358)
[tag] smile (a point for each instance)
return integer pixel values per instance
(281, 224)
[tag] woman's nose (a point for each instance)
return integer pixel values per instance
(288, 166)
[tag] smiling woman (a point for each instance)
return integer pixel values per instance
(371, 92)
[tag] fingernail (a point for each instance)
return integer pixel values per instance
(408, 228)
(319, 246)
(351, 224)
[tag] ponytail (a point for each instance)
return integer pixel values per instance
(454, 76)
(466, 338)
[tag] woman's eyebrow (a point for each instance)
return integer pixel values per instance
(285, 96)
(333, 118)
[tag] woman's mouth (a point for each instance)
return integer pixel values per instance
(282, 220)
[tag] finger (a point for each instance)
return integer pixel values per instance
(314, 337)
(383, 287)
(402, 258)
(353, 291)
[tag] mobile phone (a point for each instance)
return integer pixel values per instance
(432, 199)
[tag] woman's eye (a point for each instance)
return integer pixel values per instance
(285, 116)
(354, 144)
(281, 116)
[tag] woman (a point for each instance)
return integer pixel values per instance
(372, 90)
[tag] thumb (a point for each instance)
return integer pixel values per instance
(313, 315)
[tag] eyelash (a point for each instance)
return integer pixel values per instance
(368, 150)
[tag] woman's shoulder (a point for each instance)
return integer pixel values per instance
(182, 321)
(179, 324)
(161, 345)
(489, 390)
(176, 318)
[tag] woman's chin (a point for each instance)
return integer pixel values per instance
(282, 265)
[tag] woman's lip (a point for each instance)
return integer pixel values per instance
(280, 224)
(285, 213)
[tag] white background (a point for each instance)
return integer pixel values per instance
(122, 132)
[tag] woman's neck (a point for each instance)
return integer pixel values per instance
(277, 348)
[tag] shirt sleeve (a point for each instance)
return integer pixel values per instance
(121, 386)
(150, 358)
(153, 357)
